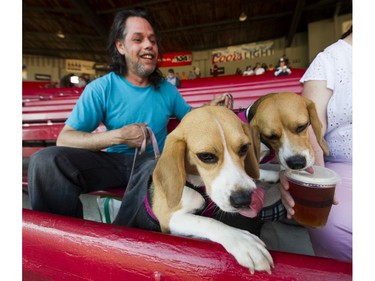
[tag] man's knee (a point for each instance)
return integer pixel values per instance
(44, 158)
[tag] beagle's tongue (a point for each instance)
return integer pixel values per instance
(310, 170)
(257, 200)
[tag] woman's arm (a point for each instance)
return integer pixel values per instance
(318, 92)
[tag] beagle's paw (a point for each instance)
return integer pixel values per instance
(269, 176)
(249, 251)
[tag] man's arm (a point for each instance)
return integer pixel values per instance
(131, 135)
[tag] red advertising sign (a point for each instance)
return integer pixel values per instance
(225, 57)
(177, 59)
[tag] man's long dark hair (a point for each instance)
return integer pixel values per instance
(117, 32)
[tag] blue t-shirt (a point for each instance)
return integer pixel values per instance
(115, 102)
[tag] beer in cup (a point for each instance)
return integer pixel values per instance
(313, 194)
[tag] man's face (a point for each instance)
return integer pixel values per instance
(139, 47)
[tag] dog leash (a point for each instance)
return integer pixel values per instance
(142, 149)
(154, 142)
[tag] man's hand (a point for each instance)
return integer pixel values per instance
(133, 135)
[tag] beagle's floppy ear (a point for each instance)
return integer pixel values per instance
(316, 126)
(169, 173)
(252, 157)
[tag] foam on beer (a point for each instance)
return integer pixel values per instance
(313, 194)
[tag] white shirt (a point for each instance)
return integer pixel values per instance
(248, 72)
(334, 65)
(259, 71)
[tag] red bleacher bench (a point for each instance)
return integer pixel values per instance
(35, 85)
(49, 93)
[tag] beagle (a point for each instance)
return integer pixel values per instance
(211, 147)
(280, 121)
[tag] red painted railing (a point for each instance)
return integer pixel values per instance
(61, 248)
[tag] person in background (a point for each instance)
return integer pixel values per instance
(215, 70)
(65, 81)
(265, 67)
(82, 81)
(270, 67)
(328, 83)
(132, 97)
(183, 75)
(283, 68)
(172, 78)
(248, 71)
(258, 70)
(191, 75)
(86, 77)
(197, 72)
(238, 71)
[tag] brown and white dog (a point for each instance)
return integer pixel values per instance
(210, 147)
(281, 121)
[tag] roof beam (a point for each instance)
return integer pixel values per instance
(53, 51)
(48, 35)
(91, 17)
(295, 21)
(28, 8)
(139, 4)
(224, 22)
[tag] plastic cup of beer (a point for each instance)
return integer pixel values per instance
(313, 195)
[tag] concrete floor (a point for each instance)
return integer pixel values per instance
(285, 236)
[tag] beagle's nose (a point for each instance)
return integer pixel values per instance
(296, 162)
(240, 199)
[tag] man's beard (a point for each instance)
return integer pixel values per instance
(142, 71)
(139, 69)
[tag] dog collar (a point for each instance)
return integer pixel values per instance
(209, 206)
(250, 112)
(242, 115)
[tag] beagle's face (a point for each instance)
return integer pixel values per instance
(219, 148)
(282, 121)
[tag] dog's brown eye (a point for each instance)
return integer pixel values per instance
(301, 128)
(243, 150)
(208, 158)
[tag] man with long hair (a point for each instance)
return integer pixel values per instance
(133, 96)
